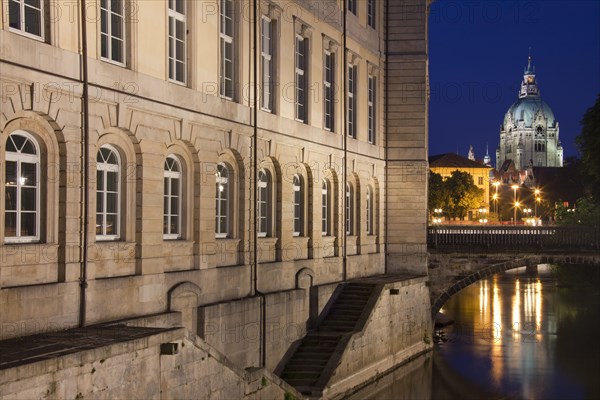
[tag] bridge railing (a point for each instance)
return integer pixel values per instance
(583, 238)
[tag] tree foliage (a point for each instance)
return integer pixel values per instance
(588, 143)
(456, 195)
(585, 212)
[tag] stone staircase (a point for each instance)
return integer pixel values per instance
(306, 369)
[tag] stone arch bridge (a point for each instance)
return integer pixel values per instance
(462, 255)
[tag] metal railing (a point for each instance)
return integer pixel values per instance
(515, 238)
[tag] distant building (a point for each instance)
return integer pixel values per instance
(529, 134)
(445, 164)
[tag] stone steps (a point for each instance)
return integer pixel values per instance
(308, 362)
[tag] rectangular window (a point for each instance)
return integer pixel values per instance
(371, 13)
(371, 98)
(328, 90)
(227, 40)
(267, 63)
(300, 50)
(112, 30)
(177, 40)
(27, 16)
(352, 6)
(352, 72)
(480, 180)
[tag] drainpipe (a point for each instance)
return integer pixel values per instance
(345, 142)
(83, 262)
(254, 213)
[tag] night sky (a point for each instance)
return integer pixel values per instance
(477, 52)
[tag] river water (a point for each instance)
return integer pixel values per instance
(515, 336)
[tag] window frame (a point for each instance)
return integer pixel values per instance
(223, 212)
(170, 176)
(325, 208)
(21, 30)
(371, 14)
(372, 109)
(265, 190)
(227, 84)
(109, 35)
(300, 78)
(267, 58)
(106, 168)
(370, 211)
(329, 91)
(299, 190)
(352, 6)
(349, 223)
(176, 16)
(351, 107)
(19, 158)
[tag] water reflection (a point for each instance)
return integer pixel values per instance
(515, 336)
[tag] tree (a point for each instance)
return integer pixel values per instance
(463, 194)
(437, 196)
(585, 212)
(588, 143)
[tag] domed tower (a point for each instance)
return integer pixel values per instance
(529, 132)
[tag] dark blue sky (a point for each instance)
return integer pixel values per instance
(477, 52)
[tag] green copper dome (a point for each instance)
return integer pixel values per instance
(532, 110)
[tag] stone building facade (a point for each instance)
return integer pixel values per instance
(145, 169)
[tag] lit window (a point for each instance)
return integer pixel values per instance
(172, 198)
(301, 53)
(371, 108)
(177, 42)
(349, 210)
(369, 211)
(267, 62)
(264, 203)
(328, 90)
(371, 13)
(227, 40)
(22, 189)
(27, 17)
(298, 206)
(112, 30)
(325, 208)
(352, 69)
(222, 198)
(108, 193)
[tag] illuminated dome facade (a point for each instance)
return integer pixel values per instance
(529, 132)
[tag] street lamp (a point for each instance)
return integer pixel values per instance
(537, 200)
(437, 215)
(495, 196)
(514, 188)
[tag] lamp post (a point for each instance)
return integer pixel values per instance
(514, 188)
(527, 211)
(537, 200)
(495, 197)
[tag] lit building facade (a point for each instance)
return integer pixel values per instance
(174, 156)
(529, 134)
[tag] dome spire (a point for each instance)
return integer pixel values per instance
(529, 84)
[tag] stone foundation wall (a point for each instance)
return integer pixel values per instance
(398, 328)
(137, 370)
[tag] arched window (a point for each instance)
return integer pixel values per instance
(349, 209)
(22, 189)
(108, 193)
(298, 206)
(172, 198)
(325, 208)
(222, 199)
(264, 216)
(369, 211)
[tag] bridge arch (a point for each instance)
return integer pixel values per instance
(524, 261)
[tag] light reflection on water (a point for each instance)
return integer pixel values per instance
(515, 336)
(505, 336)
